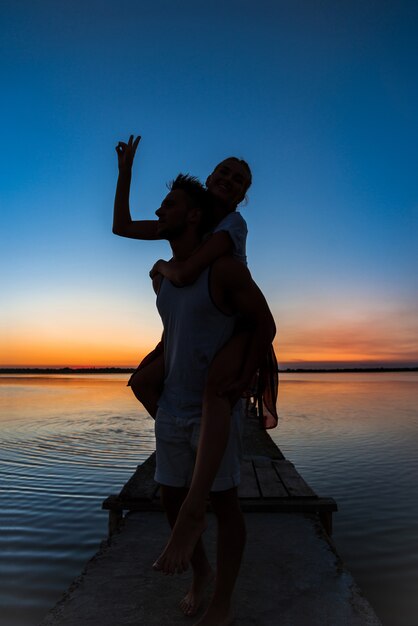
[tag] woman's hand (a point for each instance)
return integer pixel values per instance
(159, 267)
(172, 270)
(126, 153)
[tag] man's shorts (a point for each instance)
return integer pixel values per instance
(177, 440)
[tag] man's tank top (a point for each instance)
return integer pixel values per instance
(194, 330)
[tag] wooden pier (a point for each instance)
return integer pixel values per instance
(267, 485)
(291, 573)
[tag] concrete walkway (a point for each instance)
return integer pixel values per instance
(291, 576)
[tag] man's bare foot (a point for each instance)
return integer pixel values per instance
(192, 601)
(184, 537)
(216, 616)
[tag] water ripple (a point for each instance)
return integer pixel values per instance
(63, 450)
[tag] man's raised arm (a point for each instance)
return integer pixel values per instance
(123, 224)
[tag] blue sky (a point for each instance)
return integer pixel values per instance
(319, 97)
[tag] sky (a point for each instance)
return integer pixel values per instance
(321, 99)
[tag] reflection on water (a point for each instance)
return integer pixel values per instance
(66, 443)
(69, 441)
(353, 437)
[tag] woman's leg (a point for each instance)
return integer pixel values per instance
(147, 383)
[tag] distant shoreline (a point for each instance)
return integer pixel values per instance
(129, 370)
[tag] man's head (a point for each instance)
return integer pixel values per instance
(230, 181)
(183, 208)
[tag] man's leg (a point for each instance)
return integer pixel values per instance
(214, 433)
(230, 547)
(172, 498)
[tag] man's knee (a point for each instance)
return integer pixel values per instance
(172, 497)
(225, 503)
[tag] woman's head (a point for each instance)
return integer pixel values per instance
(230, 181)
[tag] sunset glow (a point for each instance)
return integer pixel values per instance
(332, 344)
(321, 100)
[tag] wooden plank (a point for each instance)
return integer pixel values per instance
(293, 481)
(289, 505)
(251, 505)
(248, 487)
(141, 484)
(142, 505)
(270, 484)
(258, 441)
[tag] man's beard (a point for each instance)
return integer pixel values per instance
(170, 232)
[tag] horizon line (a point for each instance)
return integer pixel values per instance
(128, 370)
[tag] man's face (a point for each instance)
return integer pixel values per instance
(228, 182)
(173, 214)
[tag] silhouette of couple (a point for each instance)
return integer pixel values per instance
(217, 332)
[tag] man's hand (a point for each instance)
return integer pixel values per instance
(233, 390)
(126, 153)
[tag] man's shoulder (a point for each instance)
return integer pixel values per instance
(227, 262)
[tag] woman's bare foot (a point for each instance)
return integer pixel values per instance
(176, 556)
(221, 615)
(192, 601)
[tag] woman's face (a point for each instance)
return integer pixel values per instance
(228, 182)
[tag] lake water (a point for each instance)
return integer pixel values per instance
(68, 441)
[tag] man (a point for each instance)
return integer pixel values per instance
(198, 320)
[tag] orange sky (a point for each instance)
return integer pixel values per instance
(383, 340)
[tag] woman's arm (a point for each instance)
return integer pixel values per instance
(123, 224)
(186, 272)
